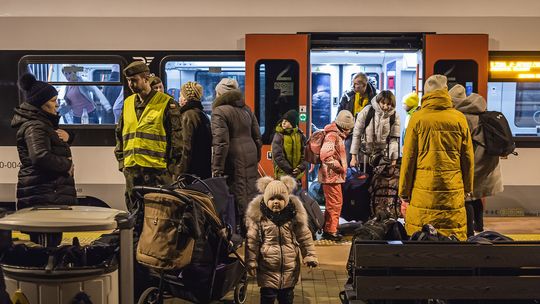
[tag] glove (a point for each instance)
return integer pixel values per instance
(312, 264)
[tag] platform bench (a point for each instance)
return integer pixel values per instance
(439, 270)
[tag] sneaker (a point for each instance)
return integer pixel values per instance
(334, 237)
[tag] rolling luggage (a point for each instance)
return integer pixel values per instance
(356, 197)
(315, 215)
(384, 191)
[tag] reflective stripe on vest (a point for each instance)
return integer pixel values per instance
(145, 139)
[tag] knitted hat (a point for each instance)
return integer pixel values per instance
(36, 92)
(270, 187)
(154, 80)
(192, 91)
(435, 82)
(345, 120)
(410, 100)
(136, 67)
(292, 117)
(457, 91)
(226, 85)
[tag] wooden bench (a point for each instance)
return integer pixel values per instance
(428, 270)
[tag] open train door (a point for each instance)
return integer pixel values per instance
(277, 80)
(462, 58)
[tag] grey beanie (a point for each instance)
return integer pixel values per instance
(345, 120)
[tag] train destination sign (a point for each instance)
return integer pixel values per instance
(525, 69)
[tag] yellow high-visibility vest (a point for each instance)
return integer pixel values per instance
(145, 139)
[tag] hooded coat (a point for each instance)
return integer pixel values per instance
(437, 167)
(45, 160)
(236, 143)
(275, 250)
(347, 100)
(333, 156)
(196, 143)
(288, 151)
(378, 135)
(487, 172)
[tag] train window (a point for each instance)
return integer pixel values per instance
(514, 90)
(88, 93)
(276, 92)
(206, 73)
(520, 103)
(320, 99)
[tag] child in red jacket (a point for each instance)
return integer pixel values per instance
(333, 170)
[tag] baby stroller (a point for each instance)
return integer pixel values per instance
(187, 246)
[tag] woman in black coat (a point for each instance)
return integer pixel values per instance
(46, 173)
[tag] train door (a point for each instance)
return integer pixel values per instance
(277, 80)
(462, 58)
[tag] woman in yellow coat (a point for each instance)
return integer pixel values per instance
(438, 164)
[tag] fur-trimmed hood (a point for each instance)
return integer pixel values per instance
(233, 98)
(254, 214)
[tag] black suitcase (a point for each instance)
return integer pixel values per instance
(315, 215)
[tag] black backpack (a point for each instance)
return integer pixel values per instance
(498, 140)
(371, 113)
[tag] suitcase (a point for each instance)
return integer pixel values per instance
(356, 195)
(315, 215)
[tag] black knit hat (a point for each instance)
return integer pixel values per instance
(292, 117)
(36, 92)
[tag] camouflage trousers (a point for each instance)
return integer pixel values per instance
(141, 176)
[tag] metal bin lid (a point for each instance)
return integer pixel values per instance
(61, 219)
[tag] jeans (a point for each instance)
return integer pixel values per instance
(475, 216)
(284, 296)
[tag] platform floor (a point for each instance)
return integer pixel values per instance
(323, 284)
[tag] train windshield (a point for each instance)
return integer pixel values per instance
(206, 73)
(88, 93)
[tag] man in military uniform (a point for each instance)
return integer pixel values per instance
(147, 134)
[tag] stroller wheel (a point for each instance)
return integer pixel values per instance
(240, 291)
(149, 296)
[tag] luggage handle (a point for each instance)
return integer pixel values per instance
(52, 207)
(182, 177)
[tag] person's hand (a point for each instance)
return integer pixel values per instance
(394, 161)
(404, 205)
(312, 264)
(64, 136)
(252, 270)
(296, 171)
(354, 160)
(71, 170)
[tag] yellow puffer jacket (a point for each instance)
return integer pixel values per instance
(437, 167)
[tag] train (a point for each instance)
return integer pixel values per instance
(301, 59)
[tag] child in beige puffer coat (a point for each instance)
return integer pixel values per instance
(277, 238)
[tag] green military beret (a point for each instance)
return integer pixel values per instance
(135, 68)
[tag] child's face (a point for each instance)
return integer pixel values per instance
(285, 124)
(385, 105)
(276, 203)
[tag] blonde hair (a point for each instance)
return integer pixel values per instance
(387, 96)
